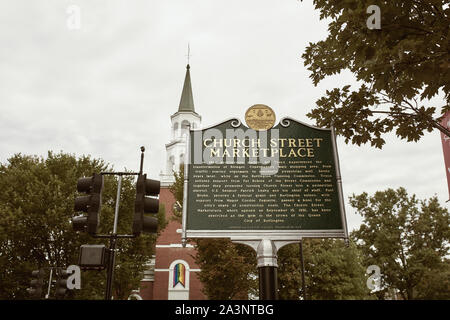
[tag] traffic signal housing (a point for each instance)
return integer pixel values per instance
(93, 257)
(36, 283)
(61, 283)
(146, 202)
(91, 203)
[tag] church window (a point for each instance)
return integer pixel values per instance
(175, 129)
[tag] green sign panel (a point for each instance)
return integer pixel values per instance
(242, 183)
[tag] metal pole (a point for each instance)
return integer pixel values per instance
(116, 212)
(112, 246)
(339, 183)
(303, 270)
(49, 284)
(266, 255)
(110, 274)
(185, 187)
(268, 284)
(142, 159)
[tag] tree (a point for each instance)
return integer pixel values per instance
(36, 206)
(399, 67)
(408, 239)
(177, 190)
(228, 270)
(333, 271)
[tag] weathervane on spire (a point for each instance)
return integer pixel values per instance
(188, 54)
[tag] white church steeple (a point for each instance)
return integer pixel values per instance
(181, 120)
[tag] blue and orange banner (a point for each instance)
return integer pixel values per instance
(179, 274)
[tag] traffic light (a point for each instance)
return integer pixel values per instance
(36, 283)
(143, 204)
(61, 283)
(91, 204)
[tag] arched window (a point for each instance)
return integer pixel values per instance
(175, 130)
(179, 273)
(184, 128)
(181, 159)
(184, 125)
(171, 164)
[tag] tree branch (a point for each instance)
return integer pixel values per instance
(432, 121)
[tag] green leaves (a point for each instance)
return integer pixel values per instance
(36, 206)
(228, 270)
(359, 116)
(407, 238)
(177, 190)
(333, 271)
(404, 62)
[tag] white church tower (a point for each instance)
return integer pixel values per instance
(181, 120)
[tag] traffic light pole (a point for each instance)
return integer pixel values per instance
(110, 268)
(112, 246)
(114, 236)
(49, 284)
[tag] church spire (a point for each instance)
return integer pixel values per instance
(182, 120)
(187, 101)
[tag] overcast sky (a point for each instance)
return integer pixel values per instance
(110, 86)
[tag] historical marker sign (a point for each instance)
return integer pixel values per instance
(281, 184)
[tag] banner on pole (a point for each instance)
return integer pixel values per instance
(446, 147)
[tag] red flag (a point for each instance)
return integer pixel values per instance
(446, 147)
